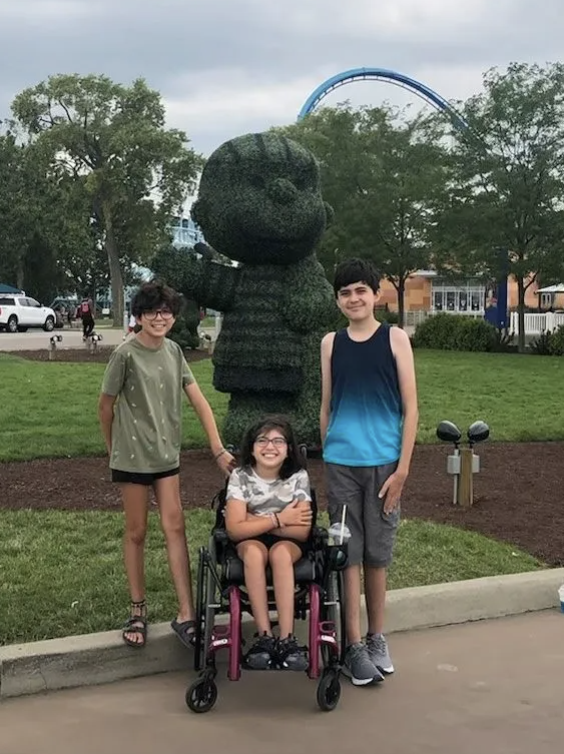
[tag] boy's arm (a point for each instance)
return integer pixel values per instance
(403, 353)
(203, 410)
(325, 410)
(112, 384)
(106, 417)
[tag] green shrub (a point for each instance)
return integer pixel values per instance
(185, 329)
(542, 346)
(449, 332)
(556, 345)
(384, 315)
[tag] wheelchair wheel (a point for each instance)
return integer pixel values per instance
(199, 644)
(202, 695)
(329, 690)
(336, 614)
(205, 616)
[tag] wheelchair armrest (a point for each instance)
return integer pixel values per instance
(319, 536)
(220, 536)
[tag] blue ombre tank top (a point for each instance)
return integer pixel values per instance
(365, 425)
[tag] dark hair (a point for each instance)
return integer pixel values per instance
(356, 271)
(154, 295)
(294, 460)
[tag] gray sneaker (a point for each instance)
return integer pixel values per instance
(379, 653)
(359, 667)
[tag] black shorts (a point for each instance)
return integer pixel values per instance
(269, 540)
(147, 480)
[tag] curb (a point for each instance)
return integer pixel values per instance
(93, 659)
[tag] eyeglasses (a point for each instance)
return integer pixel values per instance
(264, 442)
(165, 314)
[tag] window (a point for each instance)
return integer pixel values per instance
(458, 297)
(4, 301)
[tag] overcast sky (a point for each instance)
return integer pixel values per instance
(226, 67)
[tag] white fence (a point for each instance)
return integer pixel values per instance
(415, 317)
(537, 323)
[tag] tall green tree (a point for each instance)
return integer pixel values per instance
(507, 181)
(112, 139)
(384, 175)
(24, 189)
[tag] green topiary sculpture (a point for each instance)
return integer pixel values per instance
(260, 205)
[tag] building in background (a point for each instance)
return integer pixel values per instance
(186, 233)
(428, 293)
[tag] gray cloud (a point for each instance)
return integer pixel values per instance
(227, 66)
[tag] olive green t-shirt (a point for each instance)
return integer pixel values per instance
(147, 425)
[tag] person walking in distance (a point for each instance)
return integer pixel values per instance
(86, 312)
(368, 418)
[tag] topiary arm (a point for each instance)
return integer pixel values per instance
(209, 283)
(309, 303)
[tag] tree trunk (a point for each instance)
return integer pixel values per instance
(521, 313)
(20, 273)
(116, 276)
(401, 302)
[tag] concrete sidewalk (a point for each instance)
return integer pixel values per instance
(493, 686)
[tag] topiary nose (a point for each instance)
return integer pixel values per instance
(282, 191)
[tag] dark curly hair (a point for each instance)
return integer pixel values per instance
(295, 459)
(356, 271)
(155, 295)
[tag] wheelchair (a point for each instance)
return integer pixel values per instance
(319, 598)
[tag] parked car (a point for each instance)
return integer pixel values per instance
(18, 313)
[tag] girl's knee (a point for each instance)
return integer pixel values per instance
(282, 555)
(173, 524)
(253, 554)
(136, 534)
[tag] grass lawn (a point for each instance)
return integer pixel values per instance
(49, 409)
(74, 582)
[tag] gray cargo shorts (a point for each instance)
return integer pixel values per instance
(373, 532)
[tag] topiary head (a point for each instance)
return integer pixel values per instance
(260, 200)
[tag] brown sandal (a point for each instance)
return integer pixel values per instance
(136, 624)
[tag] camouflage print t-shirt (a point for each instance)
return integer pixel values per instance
(264, 497)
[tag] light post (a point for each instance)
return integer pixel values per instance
(463, 463)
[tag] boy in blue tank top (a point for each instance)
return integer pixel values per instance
(368, 421)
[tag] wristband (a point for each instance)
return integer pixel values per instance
(278, 523)
(218, 455)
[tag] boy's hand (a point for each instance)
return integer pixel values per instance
(391, 491)
(226, 462)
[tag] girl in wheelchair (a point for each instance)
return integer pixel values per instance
(269, 516)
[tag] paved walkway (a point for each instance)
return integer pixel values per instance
(495, 687)
(35, 340)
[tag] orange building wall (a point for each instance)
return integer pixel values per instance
(418, 294)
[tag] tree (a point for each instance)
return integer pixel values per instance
(508, 180)
(112, 139)
(23, 189)
(383, 175)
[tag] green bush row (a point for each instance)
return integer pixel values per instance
(550, 343)
(449, 332)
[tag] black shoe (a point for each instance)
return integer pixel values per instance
(261, 655)
(291, 656)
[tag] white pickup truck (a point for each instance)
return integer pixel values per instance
(19, 312)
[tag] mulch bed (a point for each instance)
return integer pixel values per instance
(83, 355)
(518, 493)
